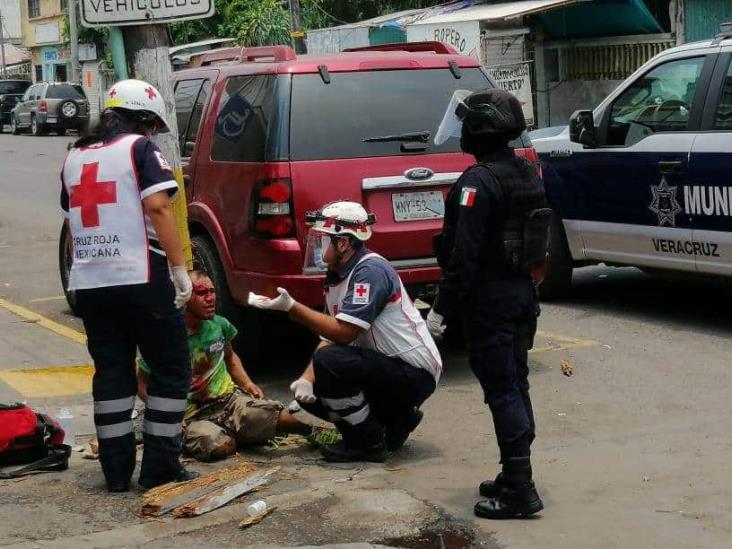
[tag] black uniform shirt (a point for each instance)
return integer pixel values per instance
(472, 212)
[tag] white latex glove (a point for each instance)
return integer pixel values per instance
(303, 391)
(284, 302)
(435, 323)
(183, 286)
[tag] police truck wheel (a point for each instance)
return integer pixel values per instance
(64, 266)
(61, 132)
(2, 127)
(558, 277)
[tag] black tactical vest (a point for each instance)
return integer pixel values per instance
(519, 239)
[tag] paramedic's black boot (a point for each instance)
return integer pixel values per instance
(183, 475)
(118, 487)
(491, 488)
(517, 497)
(397, 435)
(340, 452)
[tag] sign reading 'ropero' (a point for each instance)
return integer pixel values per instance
(98, 13)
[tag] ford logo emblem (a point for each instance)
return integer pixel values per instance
(419, 174)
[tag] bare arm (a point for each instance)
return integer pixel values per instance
(309, 373)
(324, 325)
(159, 208)
(237, 372)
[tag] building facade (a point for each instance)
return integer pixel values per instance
(43, 34)
(10, 10)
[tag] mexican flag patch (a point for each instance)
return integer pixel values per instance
(467, 196)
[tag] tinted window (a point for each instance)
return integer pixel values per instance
(185, 97)
(250, 126)
(723, 118)
(332, 120)
(659, 101)
(64, 91)
(195, 121)
(13, 87)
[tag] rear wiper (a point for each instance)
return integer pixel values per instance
(418, 137)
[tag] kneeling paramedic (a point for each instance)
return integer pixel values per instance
(376, 363)
(495, 234)
(226, 409)
(130, 279)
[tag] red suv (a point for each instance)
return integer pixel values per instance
(266, 136)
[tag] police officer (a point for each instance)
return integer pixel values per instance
(376, 363)
(495, 233)
(130, 279)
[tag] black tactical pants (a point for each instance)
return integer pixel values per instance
(364, 392)
(500, 328)
(119, 320)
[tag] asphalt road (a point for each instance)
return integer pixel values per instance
(632, 451)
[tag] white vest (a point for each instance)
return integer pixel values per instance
(399, 330)
(106, 219)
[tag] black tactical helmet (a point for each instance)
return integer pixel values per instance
(492, 111)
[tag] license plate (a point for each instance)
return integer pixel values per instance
(417, 206)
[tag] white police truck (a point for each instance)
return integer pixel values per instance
(646, 178)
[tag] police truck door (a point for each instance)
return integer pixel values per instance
(708, 197)
(630, 184)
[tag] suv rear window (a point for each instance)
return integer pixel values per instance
(65, 91)
(251, 125)
(331, 121)
(13, 87)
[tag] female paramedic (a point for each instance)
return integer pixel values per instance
(130, 279)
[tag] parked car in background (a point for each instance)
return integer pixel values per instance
(56, 106)
(10, 92)
(643, 180)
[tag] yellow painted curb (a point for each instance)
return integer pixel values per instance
(53, 381)
(41, 320)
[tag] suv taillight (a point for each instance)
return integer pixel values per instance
(272, 211)
(43, 107)
(529, 153)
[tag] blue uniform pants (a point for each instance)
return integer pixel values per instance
(500, 328)
(119, 320)
(364, 392)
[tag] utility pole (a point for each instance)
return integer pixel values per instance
(146, 48)
(2, 46)
(296, 33)
(74, 39)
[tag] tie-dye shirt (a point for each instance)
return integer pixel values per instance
(211, 379)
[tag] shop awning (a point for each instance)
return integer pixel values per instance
(599, 18)
(493, 12)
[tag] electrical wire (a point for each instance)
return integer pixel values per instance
(331, 16)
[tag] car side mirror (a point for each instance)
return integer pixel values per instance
(582, 129)
(188, 149)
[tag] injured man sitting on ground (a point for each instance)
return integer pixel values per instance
(226, 409)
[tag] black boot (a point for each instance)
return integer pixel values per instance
(517, 496)
(182, 475)
(491, 488)
(362, 443)
(397, 434)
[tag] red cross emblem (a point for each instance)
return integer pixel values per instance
(150, 93)
(89, 193)
(361, 291)
(113, 93)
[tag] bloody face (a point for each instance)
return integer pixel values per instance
(203, 300)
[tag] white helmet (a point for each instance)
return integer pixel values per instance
(136, 95)
(342, 218)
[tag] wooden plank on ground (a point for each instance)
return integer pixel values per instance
(224, 495)
(167, 497)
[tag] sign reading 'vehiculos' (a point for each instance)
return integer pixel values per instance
(97, 13)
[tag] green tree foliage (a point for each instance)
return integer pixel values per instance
(267, 22)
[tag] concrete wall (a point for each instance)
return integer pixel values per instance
(573, 95)
(49, 22)
(11, 20)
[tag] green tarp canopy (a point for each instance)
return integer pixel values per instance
(599, 18)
